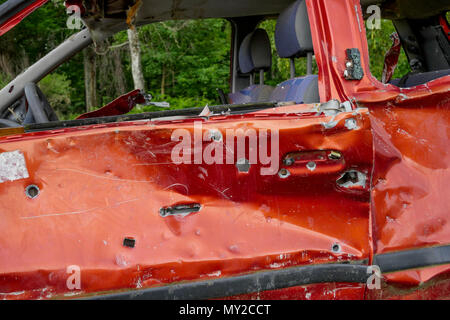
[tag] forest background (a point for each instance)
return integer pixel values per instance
(181, 62)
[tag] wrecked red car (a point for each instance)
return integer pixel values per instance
(328, 186)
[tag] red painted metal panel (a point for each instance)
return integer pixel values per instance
(410, 128)
(18, 17)
(322, 291)
(99, 185)
(120, 105)
(102, 183)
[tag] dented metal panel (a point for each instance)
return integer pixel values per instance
(410, 127)
(363, 182)
(101, 184)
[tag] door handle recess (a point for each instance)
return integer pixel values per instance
(180, 210)
(314, 162)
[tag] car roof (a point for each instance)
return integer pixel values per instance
(107, 15)
(111, 15)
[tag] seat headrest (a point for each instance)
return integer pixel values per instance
(293, 32)
(255, 53)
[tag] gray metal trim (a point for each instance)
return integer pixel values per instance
(14, 90)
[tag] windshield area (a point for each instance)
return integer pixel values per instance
(182, 63)
(185, 64)
(411, 50)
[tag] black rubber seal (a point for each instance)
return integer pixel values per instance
(194, 112)
(412, 259)
(290, 277)
(249, 283)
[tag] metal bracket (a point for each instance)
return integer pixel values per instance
(354, 70)
(148, 101)
(162, 104)
(334, 107)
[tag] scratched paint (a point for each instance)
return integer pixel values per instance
(120, 176)
(102, 184)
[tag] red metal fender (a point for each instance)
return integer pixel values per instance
(121, 105)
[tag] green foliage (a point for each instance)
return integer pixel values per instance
(39, 33)
(379, 43)
(175, 103)
(186, 58)
(184, 62)
(4, 80)
(57, 88)
(30, 40)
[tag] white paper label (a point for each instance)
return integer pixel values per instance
(12, 166)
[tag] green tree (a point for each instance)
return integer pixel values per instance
(184, 62)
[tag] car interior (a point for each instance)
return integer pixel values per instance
(424, 36)
(423, 30)
(293, 40)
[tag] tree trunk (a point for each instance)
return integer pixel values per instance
(136, 65)
(90, 79)
(118, 73)
(163, 81)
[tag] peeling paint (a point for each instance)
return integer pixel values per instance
(351, 124)
(12, 166)
(331, 124)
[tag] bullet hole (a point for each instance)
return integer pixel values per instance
(180, 210)
(289, 161)
(311, 166)
(351, 124)
(284, 173)
(334, 155)
(129, 242)
(336, 248)
(243, 165)
(32, 191)
(215, 135)
(351, 179)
